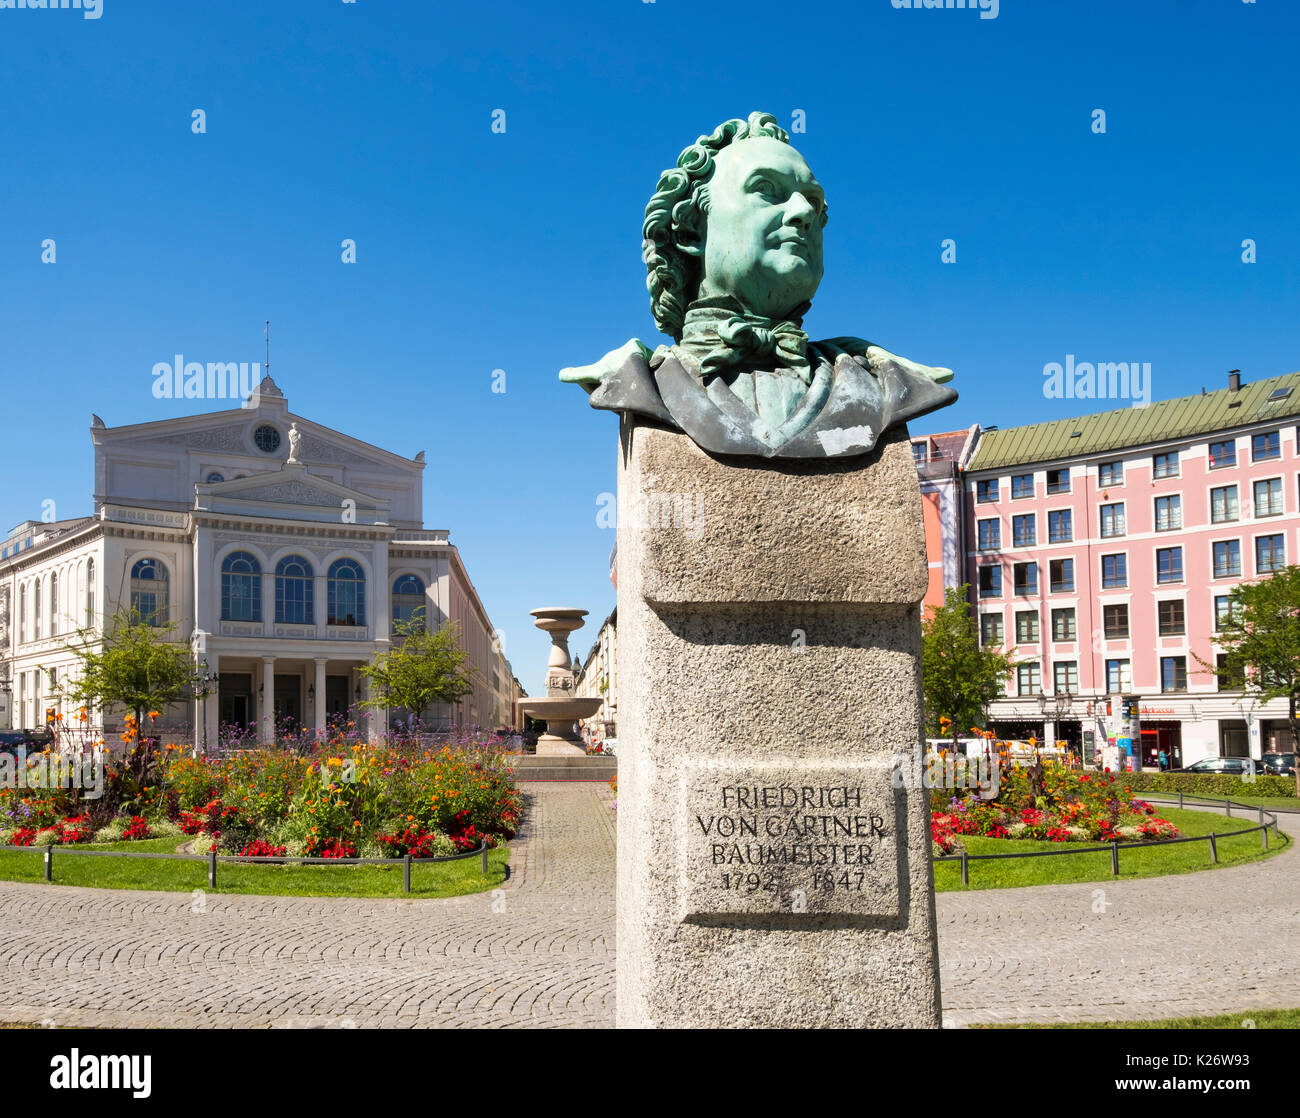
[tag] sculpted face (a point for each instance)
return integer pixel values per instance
(763, 238)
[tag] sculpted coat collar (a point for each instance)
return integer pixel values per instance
(857, 392)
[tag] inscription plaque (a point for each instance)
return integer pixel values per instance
(763, 839)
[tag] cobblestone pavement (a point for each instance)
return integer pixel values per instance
(1197, 943)
(120, 958)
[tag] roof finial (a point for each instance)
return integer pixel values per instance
(268, 348)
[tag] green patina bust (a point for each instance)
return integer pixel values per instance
(733, 248)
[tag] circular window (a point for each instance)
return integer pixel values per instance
(213, 478)
(267, 439)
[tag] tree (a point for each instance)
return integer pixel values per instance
(959, 677)
(134, 666)
(422, 668)
(1260, 636)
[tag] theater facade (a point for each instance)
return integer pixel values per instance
(282, 550)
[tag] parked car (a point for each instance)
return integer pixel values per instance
(1232, 766)
(11, 741)
(1279, 764)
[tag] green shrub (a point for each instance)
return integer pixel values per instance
(1211, 785)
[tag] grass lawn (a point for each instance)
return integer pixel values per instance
(1154, 861)
(1262, 1018)
(1287, 803)
(438, 879)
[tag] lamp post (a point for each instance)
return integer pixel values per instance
(205, 682)
(1059, 706)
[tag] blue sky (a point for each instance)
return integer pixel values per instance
(521, 250)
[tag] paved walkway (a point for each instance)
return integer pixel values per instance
(540, 951)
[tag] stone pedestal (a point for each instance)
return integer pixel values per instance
(769, 872)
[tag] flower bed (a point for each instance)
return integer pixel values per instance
(344, 799)
(1049, 801)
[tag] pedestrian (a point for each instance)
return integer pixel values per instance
(1163, 759)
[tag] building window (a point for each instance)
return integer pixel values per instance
(1223, 454)
(241, 587)
(36, 609)
(1266, 446)
(1164, 465)
(1114, 620)
(990, 629)
(1063, 625)
(1223, 504)
(986, 491)
(22, 614)
(1025, 577)
(1227, 558)
(1027, 626)
(267, 439)
(347, 593)
(1024, 530)
(408, 597)
(54, 605)
(990, 535)
(1234, 677)
(1173, 673)
(1169, 513)
(1222, 611)
(1119, 677)
(1060, 526)
(1058, 481)
(1173, 623)
(1268, 497)
(1110, 473)
(90, 592)
(294, 591)
(1028, 681)
(149, 591)
(1065, 676)
(918, 453)
(213, 478)
(1169, 564)
(990, 582)
(1114, 571)
(1060, 573)
(1022, 485)
(1270, 554)
(1112, 520)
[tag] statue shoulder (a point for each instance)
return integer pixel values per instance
(590, 376)
(874, 356)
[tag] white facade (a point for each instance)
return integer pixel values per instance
(284, 574)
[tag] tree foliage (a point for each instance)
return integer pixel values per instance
(421, 668)
(959, 677)
(133, 665)
(1260, 636)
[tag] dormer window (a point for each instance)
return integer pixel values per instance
(213, 478)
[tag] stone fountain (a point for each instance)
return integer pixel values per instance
(560, 708)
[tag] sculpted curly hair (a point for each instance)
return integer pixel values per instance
(679, 206)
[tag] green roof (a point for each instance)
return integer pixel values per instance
(1183, 418)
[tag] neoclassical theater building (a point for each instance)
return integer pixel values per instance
(283, 568)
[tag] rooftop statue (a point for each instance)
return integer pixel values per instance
(733, 247)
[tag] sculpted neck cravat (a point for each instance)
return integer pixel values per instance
(722, 335)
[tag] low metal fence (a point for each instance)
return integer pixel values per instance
(1116, 846)
(213, 857)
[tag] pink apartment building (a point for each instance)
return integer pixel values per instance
(938, 467)
(1102, 548)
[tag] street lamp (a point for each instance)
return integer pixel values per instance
(205, 682)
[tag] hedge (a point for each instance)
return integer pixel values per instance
(1213, 785)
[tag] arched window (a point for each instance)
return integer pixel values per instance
(90, 592)
(54, 604)
(347, 593)
(241, 587)
(22, 613)
(213, 478)
(149, 591)
(408, 598)
(293, 591)
(36, 609)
